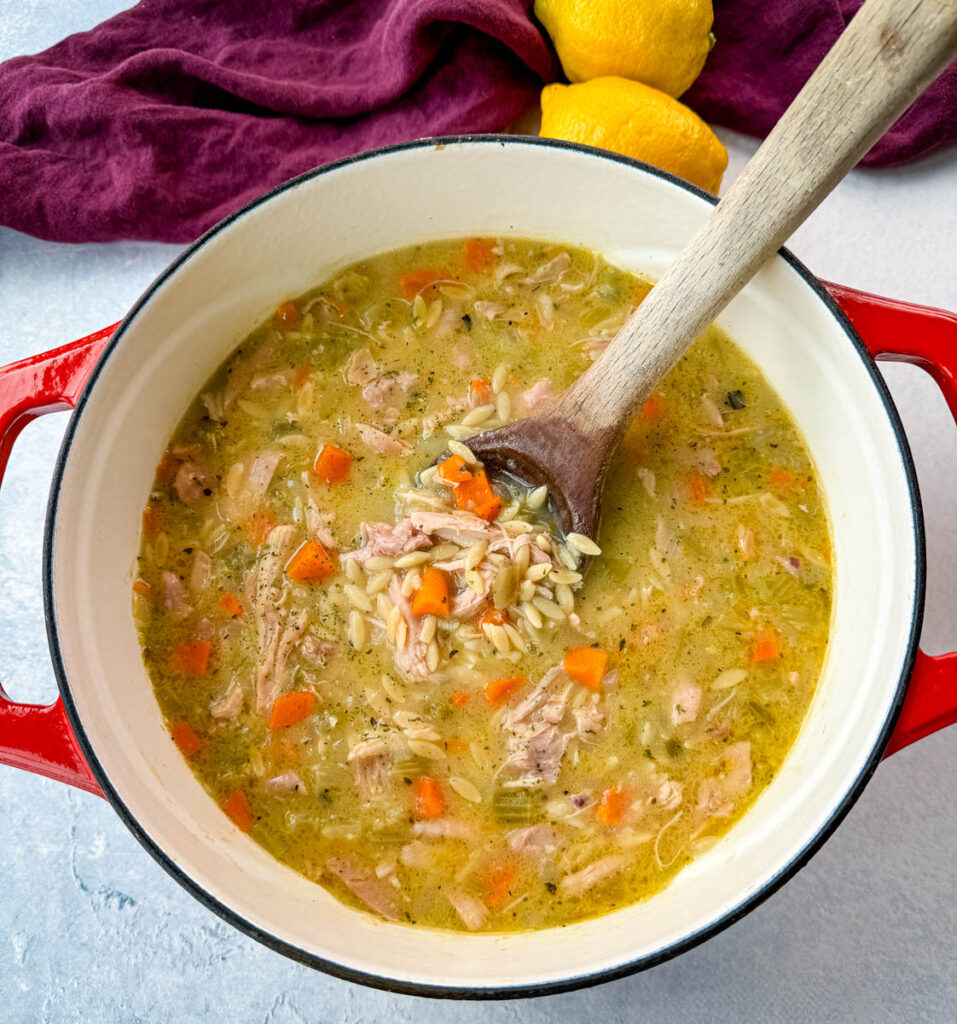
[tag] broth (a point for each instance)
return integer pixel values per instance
(441, 716)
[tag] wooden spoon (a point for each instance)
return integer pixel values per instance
(889, 53)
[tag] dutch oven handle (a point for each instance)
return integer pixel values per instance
(904, 333)
(33, 736)
(39, 738)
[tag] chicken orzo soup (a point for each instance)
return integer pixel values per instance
(398, 679)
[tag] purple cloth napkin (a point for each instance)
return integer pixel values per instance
(766, 51)
(162, 120)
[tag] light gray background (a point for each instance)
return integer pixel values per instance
(91, 929)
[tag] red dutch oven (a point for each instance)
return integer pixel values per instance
(128, 385)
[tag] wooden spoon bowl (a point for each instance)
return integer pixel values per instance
(547, 448)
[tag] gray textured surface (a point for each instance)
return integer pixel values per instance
(92, 930)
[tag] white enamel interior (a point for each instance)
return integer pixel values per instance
(285, 245)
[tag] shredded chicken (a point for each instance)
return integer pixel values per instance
(448, 321)
(246, 368)
(389, 541)
(589, 721)
(371, 761)
(377, 388)
(534, 740)
(468, 603)
(411, 660)
(554, 270)
(202, 570)
(711, 412)
(229, 705)
(707, 462)
(589, 877)
(281, 378)
(716, 795)
(462, 527)
(316, 650)
(361, 368)
(685, 701)
(381, 442)
(465, 529)
(539, 392)
(538, 730)
(490, 310)
(364, 884)
(286, 782)
(276, 635)
(319, 524)
(445, 828)
(174, 595)
(471, 910)
(535, 840)
(191, 480)
(790, 565)
(670, 795)
(261, 472)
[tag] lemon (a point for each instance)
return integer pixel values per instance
(663, 43)
(637, 121)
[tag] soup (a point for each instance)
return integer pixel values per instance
(398, 677)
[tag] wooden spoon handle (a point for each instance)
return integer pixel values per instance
(888, 54)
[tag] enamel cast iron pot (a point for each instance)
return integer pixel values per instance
(131, 384)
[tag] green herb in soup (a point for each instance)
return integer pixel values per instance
(401, 680)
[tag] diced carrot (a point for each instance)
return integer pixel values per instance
(187, 740)
(302, 375)
(494, 617)
(697, 487)
(498, 885)
(432, 597)
(231, 606)
(480, 391)
(499, 690)
(333, 463)
(456, 746)
(166, 468)
(476, 495)
(412, 284)
(259, 526)
(310, 563)
(765, 647)
(479, 254)
(473, 489)
(237, 807)
(141, 587)
(452, 471)
(489, 509)
(586, 665)
(614, 803)
(192, 657)
(150, 521)
(459, 700)
(291, 708)
(429, 801)
(653, 408)
(780, 478)
(287, 313)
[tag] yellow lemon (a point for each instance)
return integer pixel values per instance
(663, 43)
(637, 121)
